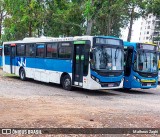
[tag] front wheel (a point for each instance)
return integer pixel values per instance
(22, 74)
(66, 82)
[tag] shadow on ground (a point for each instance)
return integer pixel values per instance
(75, 89)
(133, 91)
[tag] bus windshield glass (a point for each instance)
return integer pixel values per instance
(108, 58)
(146, 62)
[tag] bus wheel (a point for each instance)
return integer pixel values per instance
(66, 82)
(22, 74)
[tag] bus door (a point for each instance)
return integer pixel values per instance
(80, 62)
(12, 58)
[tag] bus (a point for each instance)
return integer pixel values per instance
(89, 62)
(141, 65)
(0, 56)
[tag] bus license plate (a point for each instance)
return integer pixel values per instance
(148, 84)
(110, 85)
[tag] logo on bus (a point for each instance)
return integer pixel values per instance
(21, 61)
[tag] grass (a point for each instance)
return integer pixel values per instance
(9, 75)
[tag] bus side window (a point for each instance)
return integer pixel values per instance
(6, 50)
(40, 52)
(52, 50)
(0, 52)
(20, 50)
(65, 50)
(30, 52)
(128, 64)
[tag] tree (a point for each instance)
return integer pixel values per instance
(135, 9)
(105, 17)
(25, 18)
(2, 15)
(153, 7)
(64, 18)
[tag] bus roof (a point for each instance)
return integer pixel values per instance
(126, 43)
(53, 39)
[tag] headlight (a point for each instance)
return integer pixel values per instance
(97, 80)
(93, 77)
(137, 79)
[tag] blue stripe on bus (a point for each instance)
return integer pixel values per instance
(41, 63)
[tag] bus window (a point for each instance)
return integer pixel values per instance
(40, 50)
(65, 50)
(6, 50)
(52, 50)
(20, 50)
(30, 50)
(0, 52)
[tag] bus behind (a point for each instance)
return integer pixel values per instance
(141, 65)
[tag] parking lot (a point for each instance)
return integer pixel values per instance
(35, 104)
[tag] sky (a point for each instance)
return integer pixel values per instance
(135, 32)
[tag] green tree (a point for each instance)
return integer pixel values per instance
(153, 7)
(105, 17)
(2, 16)
(135, 9)
(26, 17)
(63, 18)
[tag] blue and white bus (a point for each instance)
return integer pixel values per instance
(90, 62)
(1, 56)
(141, 65)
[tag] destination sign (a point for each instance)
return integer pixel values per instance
(108, 41)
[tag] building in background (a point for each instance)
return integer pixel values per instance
(150, 29)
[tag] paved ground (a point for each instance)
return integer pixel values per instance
(35, 104)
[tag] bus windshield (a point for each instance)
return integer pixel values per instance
(108, 58)
(146, 62)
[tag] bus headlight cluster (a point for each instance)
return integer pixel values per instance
(93, 77)
(136, 78)
(96, 79)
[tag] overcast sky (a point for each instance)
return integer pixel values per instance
(135, 32)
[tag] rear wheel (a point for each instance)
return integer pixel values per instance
(66, 82)
(22, 74)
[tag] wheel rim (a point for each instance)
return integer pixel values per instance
(67, 83)
(22, 74)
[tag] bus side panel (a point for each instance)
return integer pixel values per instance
(7, 64)
(43, 69)
(0, 61)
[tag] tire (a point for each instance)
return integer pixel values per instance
(22, 74)
(66, 83)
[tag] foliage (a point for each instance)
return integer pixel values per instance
(55, 18)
